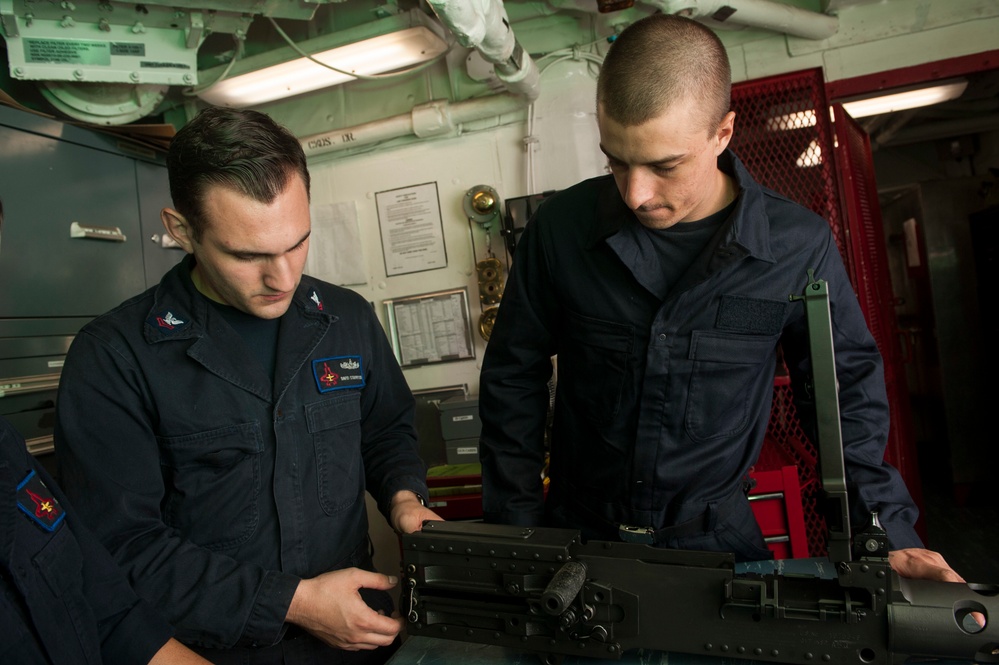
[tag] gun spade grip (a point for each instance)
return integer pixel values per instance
(563, 588)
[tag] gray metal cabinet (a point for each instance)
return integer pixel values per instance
(53, 175)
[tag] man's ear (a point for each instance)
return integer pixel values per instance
(178, 228)
(724, 132)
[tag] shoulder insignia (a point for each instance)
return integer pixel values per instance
(338, 373)
(36, 501)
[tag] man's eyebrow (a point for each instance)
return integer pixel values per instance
(238, 252)
(658, 162)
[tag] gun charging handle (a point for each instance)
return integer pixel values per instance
(564, 588)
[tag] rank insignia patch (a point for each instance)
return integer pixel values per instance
(315, 298)
(36, 501)
(338, 373)
(168, 322)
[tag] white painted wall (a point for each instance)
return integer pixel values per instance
(565, 152)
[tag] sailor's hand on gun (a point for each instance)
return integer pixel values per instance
(409, 513)
(922, 564)
(330, 607)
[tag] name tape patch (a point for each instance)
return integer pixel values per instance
(338, 373)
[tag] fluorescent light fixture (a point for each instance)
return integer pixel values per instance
(788, 121)
(901, 100)
(905, 99)
(376, 55)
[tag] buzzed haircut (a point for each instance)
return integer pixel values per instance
(660, 61)
(243, 150)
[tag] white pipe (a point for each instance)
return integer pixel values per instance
(484, 26)
(435, 118)
(766, 14)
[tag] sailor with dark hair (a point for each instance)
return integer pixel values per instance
(220, 430)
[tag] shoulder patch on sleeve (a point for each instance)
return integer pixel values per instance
(36, 501)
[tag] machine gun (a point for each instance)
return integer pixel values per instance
(546, 591)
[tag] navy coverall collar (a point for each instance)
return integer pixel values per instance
(180, 312)
(744, 234)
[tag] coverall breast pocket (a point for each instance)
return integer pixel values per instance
(335, 424)
(594, 365)
(213, 484)
(725, 367)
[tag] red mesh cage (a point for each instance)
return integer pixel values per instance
(779, 124)
(784, 137)
(871, 273)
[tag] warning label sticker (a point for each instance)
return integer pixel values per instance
(137, 50)
(67, 52)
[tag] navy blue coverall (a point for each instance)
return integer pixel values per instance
(216, 489)
(662, 405)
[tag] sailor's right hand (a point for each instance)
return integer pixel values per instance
(330, 607)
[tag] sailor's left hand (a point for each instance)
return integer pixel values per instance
(922, 564)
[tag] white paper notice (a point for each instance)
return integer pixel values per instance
(335, 253)
(412, 233)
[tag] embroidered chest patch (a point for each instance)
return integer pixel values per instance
(36, 501)
(338, 373)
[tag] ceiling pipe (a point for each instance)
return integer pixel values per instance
(484, 26)
(766, 14)
(435, 118)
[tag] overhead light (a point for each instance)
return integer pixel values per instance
(905, 99)
(262, 83)
(793, 120)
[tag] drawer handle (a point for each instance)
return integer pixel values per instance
(112, 233)
(41, 445)
(28, 384)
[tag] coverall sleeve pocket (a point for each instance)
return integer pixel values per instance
(594, 365)
(724, 369)
(335, 425)
(213, 484)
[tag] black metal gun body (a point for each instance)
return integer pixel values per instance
(542, 590)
